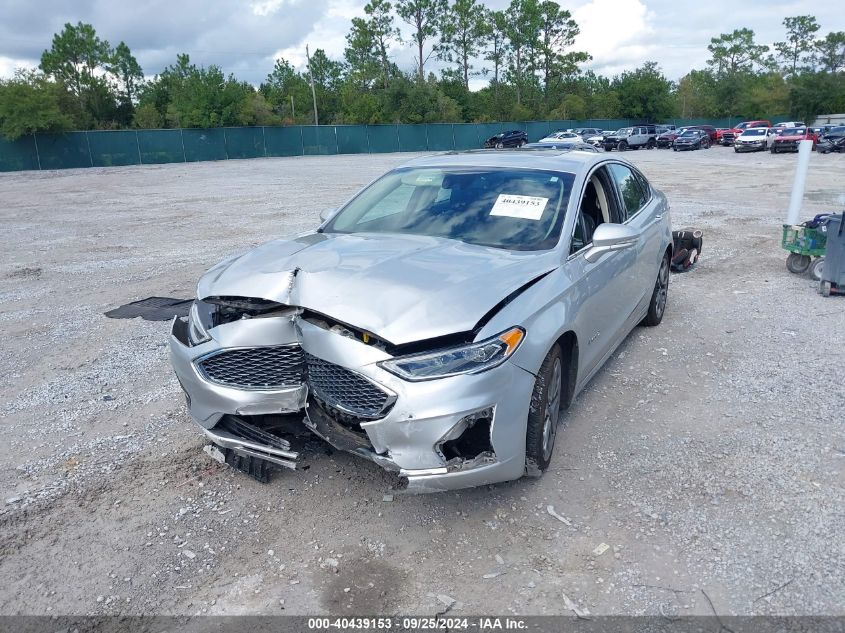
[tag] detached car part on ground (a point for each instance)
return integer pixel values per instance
(439, 322)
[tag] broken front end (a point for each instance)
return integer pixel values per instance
(444, 415)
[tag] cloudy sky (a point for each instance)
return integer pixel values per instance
(245, 36)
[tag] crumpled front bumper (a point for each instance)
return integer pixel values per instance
(408, 439)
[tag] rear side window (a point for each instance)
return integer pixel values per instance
(630, 188)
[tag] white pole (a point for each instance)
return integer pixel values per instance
(805, 148)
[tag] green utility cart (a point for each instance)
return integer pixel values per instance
(806, 246)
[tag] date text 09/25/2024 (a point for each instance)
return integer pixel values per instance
(414, 624)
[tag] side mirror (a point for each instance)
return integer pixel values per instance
(611, 237)
(326, 214)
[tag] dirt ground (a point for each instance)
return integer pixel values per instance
(708, 454)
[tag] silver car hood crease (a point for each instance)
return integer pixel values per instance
(402, 288)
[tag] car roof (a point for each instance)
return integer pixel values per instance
(571, 161)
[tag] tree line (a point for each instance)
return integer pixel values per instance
(525, 54)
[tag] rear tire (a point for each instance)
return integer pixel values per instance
(544, 413)
(797, 264)
(659, 296)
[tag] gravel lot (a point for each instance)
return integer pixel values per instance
(708, 454)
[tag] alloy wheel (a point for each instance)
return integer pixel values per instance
(662, 288)
(552, 415)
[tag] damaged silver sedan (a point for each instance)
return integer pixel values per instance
(439, 322)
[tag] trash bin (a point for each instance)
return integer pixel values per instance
(833, 274)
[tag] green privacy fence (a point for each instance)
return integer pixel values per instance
(150, 147)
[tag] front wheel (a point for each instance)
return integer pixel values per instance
(817, 268)
(544, 413)
(659, 296)
(500, 145)
(622, 146)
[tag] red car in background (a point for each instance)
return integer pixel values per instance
(729, 136)
(787, 141)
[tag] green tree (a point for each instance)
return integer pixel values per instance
(557, 32)
(644, 93)
(733, 53)
(812, 94)
(522, 29)
(147, 117)
(796, 53)
(424, 17)
(79, 59)
(367, 44)
(77, 52)
(496, 50)
(695, 95)
(830, 52)
(127, 71)
(32, 103)
(462, 32)
(129, 78)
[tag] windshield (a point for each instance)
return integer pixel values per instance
(689, 133)
(794, 131)
(757, 131)
(625, 131)
(504, 208)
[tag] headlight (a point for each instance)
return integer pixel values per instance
(467, 359)
(197, 331)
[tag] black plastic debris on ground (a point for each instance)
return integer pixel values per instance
(152, 309)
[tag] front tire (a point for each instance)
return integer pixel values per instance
(544, 413)
(622, 146)
(659, 296)
(817, 268)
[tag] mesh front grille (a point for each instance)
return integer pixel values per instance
(256, 367)
(346, 390)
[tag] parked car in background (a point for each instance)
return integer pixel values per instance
(438, 324)
(719, 132)
(691, 139)
(833, 140)
(562, 135)
(826, 146)
(708, 129)
(754, 140)
(665, 140)
(510, 138)
(568, 144)
(788, 139)
(586, 132)
(788, 124)
(730, 135)
(664, 127)
(633, 137)
(596, 140)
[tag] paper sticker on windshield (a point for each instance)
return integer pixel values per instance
(522, 207)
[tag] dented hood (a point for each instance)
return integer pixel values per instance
(402, 288)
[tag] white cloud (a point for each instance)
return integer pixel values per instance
(615, 32)
(8, 65)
